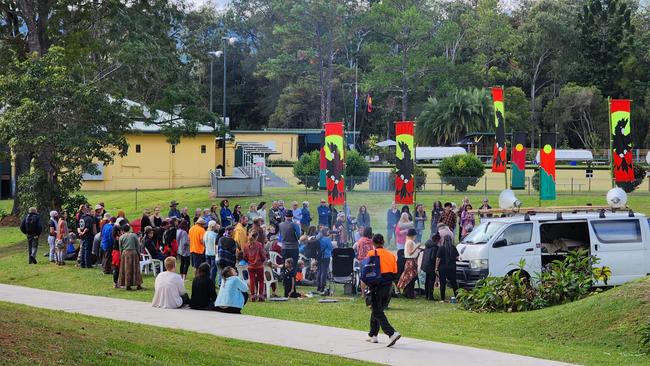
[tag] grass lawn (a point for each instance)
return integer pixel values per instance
(599, 330)
(43, 337)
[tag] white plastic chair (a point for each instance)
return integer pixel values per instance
(240, 270)
(268, 280)
(156, 264)
(145, 262)
(273, 257)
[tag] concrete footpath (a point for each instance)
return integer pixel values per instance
(302, 336)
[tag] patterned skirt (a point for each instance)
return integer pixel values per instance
(410, 273)
(130, 269)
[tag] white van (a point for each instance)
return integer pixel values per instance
(621, 240)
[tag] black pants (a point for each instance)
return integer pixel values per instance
(32, 246)
(185, 264)
(429, 283)
(379, 298)
(447, 274)
(228, 310)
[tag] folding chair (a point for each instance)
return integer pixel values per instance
(156, 264)
(343, 268)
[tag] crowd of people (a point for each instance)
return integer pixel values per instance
(219, 240)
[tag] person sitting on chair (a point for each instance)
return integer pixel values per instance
(169, 288)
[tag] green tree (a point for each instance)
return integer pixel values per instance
(65, 125)
(444, 121)
(356, 169)
(307, 169)
(461, 171)
(517, 110)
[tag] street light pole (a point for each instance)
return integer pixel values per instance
(223, 161)
(211, 67)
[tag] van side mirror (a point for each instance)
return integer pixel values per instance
(500, 243)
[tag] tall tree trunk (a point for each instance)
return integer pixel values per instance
(405, 83)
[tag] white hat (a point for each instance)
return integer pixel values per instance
(53, 214)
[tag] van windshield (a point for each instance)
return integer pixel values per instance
(483, 233)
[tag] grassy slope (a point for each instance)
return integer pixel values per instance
(42, 337)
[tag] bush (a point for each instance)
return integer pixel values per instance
(420, 177)
(563, 281)
(461, 171)
(644, 336)
(534, 181)
(639, 174)
(307, 169)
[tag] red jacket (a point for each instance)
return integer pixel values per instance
(255, 255)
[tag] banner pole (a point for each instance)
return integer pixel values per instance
(539, 175)
(505, 145)
(611, 142)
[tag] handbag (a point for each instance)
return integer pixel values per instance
(371, 270)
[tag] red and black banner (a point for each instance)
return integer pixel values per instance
(405, 163)
(547, 166)
(518, 165)
(499, 155)
(621, 139)
(334, 162)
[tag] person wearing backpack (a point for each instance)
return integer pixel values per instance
(324, 256)
(429, 263)
(380, 290)
(32, 228)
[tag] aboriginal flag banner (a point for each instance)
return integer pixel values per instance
(405, 166)
(499, 157)
(621, 139)
(334, 163)
(547, 166)
(518, 164)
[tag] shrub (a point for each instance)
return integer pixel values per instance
(561, 282)
(639, 174)
(307, 169)
(644, 336)
(461, 171)
(535, 180)
(420, 177)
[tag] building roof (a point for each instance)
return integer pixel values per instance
(571, 155)
(160, 117)
(256, 148)
(296, 131)
(438, 152)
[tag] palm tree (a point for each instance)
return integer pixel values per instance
(444, 121)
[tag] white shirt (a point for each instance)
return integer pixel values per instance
(169, 288)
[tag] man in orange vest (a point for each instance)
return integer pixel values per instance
(380, 293)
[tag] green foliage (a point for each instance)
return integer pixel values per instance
(534, 180)
(307, 169)
(444, 121)
(517, 109)
(639, 176)
(644, 336)
(461, 171)
(561, 282)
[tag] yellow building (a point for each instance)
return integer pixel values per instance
(288, 143)
(153, 163)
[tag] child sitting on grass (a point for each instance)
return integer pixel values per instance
(289, 280)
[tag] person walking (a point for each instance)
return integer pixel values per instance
(392, 218)
(130, 260)
(380, 293)
(52, 233)
(323, 264)
(256, 256)
(289, 234)
(410, 274)
(420, 220)
(446, 265)
(32, 228)
(86, 232)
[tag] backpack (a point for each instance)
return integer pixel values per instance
(371, 270)
(312, 249)
(31, 225)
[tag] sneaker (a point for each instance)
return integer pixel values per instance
(372, 339)
(393, 339)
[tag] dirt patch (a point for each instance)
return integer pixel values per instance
(10, 221)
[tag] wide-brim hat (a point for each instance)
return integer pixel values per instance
(173, 203)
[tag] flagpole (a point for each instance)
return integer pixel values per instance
(505, 145)
(611, 142)
(356, 103)
(539, 169)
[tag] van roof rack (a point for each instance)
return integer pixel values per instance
(551, 209)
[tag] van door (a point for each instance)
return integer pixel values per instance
(519, 244)
(618, 243)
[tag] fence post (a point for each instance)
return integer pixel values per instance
(441, 187)
(529, 184)
(572, 186)
(136, 198)
(485, 186)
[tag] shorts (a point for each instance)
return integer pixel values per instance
(197, 259)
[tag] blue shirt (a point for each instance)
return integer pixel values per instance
(107, 237)
(326, 247)
(226, 217)
(392, 217)
(174, 213)
(306, 217)
(324, 213)
(231, 293)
